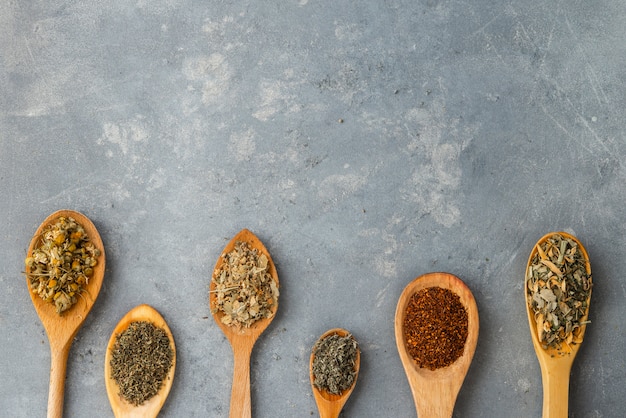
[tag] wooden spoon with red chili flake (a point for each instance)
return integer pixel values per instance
(435, 391)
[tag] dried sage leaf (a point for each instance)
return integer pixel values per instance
(558, 289)
(334, 363)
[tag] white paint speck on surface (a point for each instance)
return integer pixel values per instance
(124, 134)
(524, 385)
(437, 175)
(276, 97)
(338, 186)
(242, 145)
(211, 72)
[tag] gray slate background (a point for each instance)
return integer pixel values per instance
(470, 129)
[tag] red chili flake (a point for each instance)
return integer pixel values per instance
(435, 327)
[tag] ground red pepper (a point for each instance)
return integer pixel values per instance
(435, 327)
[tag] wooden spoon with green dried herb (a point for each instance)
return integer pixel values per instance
(140, 362)
(334, 368)
(243, 297)
(557, 292)
(436, 328)
(64, 270)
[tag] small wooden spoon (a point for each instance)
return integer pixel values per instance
(151, 407)
(62, 329)
(242, 340)
(328, 404)
(555, 364)
(435, 391)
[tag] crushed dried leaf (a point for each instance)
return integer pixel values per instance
(558, 288)
(245, 290)
(334, 363)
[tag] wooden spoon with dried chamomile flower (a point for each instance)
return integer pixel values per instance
(243, 297)
(64, 271)
(558, 292)
(139, 364)
(334, 368)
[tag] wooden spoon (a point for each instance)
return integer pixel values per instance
(61, 329)
(328, 404)
(555, 364)
(151, 407)
(435, 391)
(242, 340)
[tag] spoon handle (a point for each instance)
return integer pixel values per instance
(58, 367)
(240, 403)
(435, 399)
(555, 381)
(330, 409)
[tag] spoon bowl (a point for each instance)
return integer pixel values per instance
(151, 407)
(555, 364)
(242, 339)
(61, 329)
(330, 405)
(435, 391)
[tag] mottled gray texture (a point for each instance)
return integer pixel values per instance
(469, 130)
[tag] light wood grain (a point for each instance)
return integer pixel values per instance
(61, 329)
(435, 391)
(150, 408)
(555, 364)
(328, 404)
(242, 340)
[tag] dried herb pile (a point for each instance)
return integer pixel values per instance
(141, 358)
(245, 290)
(435, 327)
(558, 288)
(60, 267)
(334, 363)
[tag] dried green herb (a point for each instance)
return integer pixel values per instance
(334, 363)
(246, 291)
(558, 288)
(141, 358)
(60, 267)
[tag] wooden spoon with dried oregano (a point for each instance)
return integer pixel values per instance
(557, 289)
(243, 298)
(140, 362)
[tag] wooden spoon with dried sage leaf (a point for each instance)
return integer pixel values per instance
(333, 370)
(558, 292)
(243, 297)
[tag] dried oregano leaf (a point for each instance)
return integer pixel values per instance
(140, 361)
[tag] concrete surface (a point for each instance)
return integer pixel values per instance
(366, 143)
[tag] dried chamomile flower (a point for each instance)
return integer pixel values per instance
(60, 267)
(245, 290)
